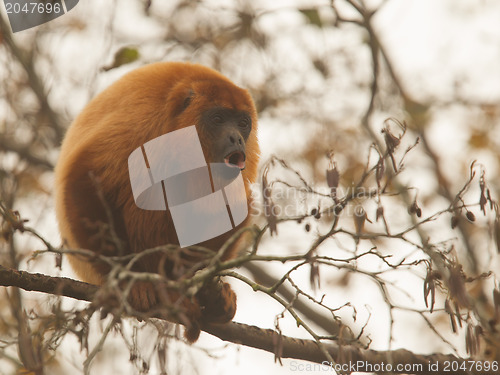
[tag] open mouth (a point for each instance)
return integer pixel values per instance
(235, 159)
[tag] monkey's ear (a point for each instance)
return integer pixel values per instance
(180, 99)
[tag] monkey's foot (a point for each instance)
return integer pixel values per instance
(143, 296)
(217, 301)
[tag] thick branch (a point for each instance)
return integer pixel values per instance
(259, 338)
(36, 282)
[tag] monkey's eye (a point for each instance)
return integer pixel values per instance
(217, 119)
(244, 123)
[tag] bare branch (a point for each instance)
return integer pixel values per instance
(253, 336)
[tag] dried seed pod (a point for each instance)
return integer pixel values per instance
(269, 205)
(488, 196)
(496, 300)
(314, 276)
(470, 216)
(307, 227)
(317, 214)
(380, 170)
(496, 233)
(59, 259)
(332, 179)
(338, 209)
(457, 313)
(454, 221)
(359, 218)
(429, 288)
(391, 141)
(379, 213)
(415, 209)
(482, 197)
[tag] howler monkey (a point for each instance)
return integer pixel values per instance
(94, 199)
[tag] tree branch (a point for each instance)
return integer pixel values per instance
(25, 152)
(349, 358)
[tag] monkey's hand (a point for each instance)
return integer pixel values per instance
(217, 301)
(217, 304)
(143, 296)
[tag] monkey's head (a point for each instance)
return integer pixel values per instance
(224, 115)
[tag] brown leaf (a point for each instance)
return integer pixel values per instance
(448, 310)
(471, 341)
(278, 345)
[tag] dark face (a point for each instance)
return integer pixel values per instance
(226, 131)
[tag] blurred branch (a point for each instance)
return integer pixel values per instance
(25, 152)
(325, 322)
(255, 337)
(34, 80)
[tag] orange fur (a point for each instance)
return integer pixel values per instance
(142, 105)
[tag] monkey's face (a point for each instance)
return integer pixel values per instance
(225, 120)
(226, 132)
